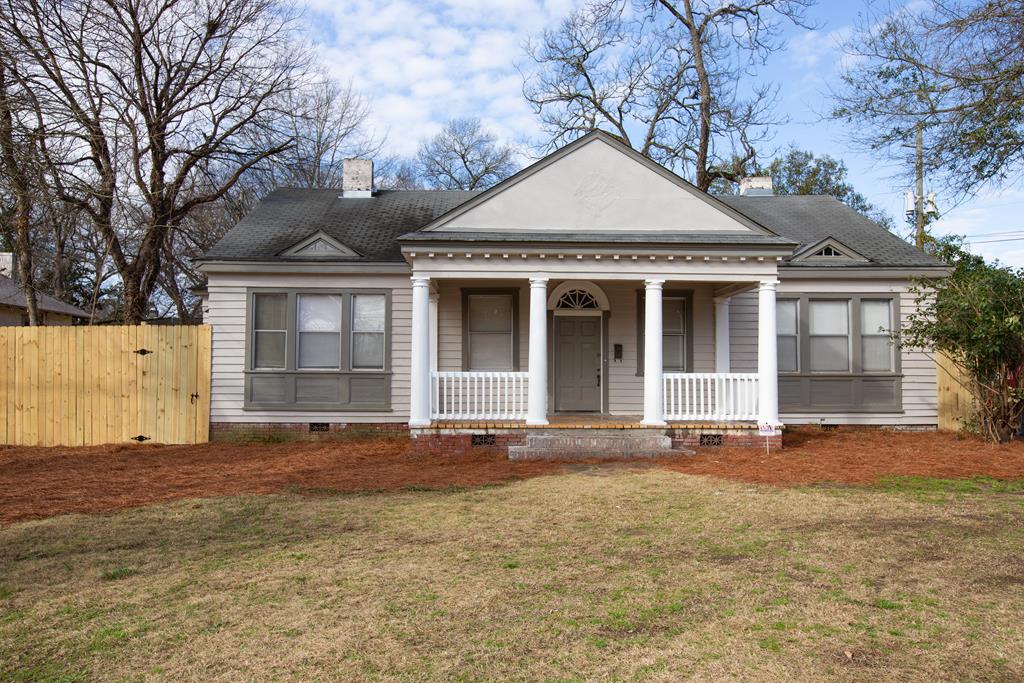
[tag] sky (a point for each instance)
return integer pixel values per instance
(419, 64)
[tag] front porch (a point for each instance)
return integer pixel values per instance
(585, 353)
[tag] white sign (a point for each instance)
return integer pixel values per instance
(766, 430)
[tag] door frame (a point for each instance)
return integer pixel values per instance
(553, 356)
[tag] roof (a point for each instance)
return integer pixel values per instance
(808, 219)
(12, 295)
(370, 227)
(370, 230)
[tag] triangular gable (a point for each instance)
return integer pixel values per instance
(319, 245)
(596, 184)
(829, 250)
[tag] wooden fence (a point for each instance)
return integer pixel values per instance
(79, 386)
(955, 402)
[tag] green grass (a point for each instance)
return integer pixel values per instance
(634, 576)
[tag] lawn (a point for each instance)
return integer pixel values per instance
(598, 572)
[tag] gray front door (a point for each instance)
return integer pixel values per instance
(578, 363)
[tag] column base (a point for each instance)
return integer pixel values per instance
(532, 422)
(653, 423)
(419, 423)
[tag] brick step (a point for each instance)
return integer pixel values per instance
(589, 444)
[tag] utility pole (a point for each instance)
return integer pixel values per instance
(919, 204)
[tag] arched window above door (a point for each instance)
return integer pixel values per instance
(577, 295)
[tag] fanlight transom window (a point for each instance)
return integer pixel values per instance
(577, 299)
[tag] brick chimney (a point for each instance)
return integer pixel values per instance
(756, 186)
(357, 178)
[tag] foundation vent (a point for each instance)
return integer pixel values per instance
(711, 440)
(483, 440)
(319, 427)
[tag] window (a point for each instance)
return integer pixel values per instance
(829, 335)
(368, 312)
(489, 322)
(673, 333)
(875, 327)
(318, 350)
(676, 323)
(788, 334)
(319, 331)
(269, 330)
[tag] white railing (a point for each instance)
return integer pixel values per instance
(478, 395)
(710, 396)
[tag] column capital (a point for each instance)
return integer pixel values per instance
(539, 282)
(420, 281)
(654, 284)
(768, 284)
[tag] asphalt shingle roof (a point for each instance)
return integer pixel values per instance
(808, 219)
(12, 295)
(372, 227)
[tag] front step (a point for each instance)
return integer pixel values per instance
(585, 444)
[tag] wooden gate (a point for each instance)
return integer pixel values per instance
(955, 401)
(80, 386)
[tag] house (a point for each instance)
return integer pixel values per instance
(593, 289)
(14, 309)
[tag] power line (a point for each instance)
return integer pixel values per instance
(1009, 239)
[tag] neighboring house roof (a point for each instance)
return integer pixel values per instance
(809, 219)
(12, 295)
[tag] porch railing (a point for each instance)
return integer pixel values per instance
(710, 396)
(478, 395)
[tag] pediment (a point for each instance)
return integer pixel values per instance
(596, 184)
(320, 245)
(829, 250)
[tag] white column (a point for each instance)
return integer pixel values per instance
(433, 330)
(654, 413)
(537, 398)
(767, 358)
(419, 381)
(722, 363)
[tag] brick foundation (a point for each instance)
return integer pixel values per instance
(735, 438)
(300, 431)
(451, 442)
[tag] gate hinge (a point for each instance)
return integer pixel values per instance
(140, 438)
(142, 352)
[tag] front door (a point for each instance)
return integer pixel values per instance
(578, 363)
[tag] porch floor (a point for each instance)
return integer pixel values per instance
(584, 421)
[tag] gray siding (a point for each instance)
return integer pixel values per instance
(919, 379)
(226, 313)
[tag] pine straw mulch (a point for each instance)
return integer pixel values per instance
(852, 455)
(43, 482)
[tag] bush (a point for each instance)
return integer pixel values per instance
(976, 317)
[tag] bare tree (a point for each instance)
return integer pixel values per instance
(150, 93)
(951, 71)
(18, 165)
(464, 156)
(666, 77)
(396, 172)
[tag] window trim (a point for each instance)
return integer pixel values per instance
(468, 292)
(795, 335)
(251, 330)
(856, 376)
(291, 371)
(641, 310)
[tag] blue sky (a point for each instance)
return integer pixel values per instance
(422, 63)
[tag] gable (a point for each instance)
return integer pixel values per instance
(319, 245)
(596, 184)
(829, 250)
